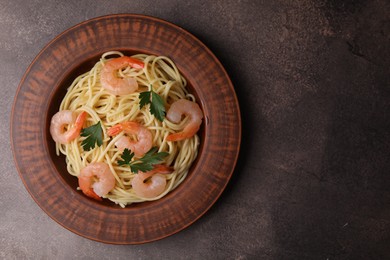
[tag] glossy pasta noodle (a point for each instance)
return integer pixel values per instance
(86, 94)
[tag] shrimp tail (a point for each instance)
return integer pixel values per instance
(129, 126)
(135, 63)
(85, 186)
(90, 193)
(75, 131)
(80, 120)
(159, 168)
(162, 168)
(116, 129)
(176, 137)
(179, 136)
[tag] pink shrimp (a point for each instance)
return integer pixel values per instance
(59, 122)
(190, 109)
(99, 188)
(152, 183)
(114, 84)
(144, 137)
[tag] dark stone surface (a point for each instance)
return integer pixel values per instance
(312, 181)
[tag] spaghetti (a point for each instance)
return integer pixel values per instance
(86, 94)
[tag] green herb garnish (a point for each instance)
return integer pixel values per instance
(94, 136)
(143, 164)
(157, 107)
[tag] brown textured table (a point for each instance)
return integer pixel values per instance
(312, 181)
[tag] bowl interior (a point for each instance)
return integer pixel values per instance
(53, 107)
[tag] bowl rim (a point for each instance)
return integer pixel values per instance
(159, 21)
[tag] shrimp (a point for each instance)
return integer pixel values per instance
(114, 84)
(59, 122)
(99, 188)
(144, 137)
(152, 183)
(190, 109)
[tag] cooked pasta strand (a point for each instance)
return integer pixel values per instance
(86, 94)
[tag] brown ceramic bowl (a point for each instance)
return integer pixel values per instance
(44, 85)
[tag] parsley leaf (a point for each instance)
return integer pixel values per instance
(157, 107)
(126, 156)
(141, 167)
(144, 99)
(143, 164)
(94, 136)
(154, 158)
